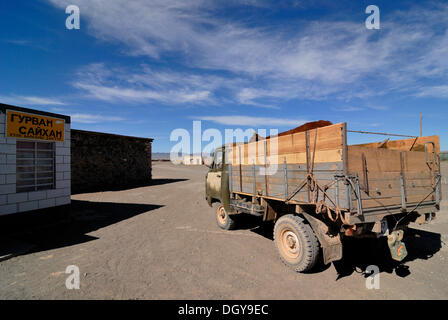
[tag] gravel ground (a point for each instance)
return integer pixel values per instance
(162, 242)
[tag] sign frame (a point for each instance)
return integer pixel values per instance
(58, 123)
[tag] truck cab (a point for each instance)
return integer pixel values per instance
(217, 188)
(214, 177)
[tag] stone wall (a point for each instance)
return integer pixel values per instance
(102, 162)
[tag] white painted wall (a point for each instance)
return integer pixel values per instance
(12, 202)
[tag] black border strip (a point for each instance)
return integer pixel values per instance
(333, 309)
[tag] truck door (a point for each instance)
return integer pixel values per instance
(214, 176)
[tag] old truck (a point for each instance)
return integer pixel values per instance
(317, 190)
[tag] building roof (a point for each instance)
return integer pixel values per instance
(4, 107)
(111, 134)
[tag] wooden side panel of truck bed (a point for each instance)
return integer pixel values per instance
(388, 173)
(288, 164)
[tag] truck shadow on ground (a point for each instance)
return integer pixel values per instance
(52, 230)
(358, 254)
(361, 253)
(121, 186)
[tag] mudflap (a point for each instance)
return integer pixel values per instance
(331, 244)
(209, 201)
(396, 246)
(332, 252)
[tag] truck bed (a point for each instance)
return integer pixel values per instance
(362, 180)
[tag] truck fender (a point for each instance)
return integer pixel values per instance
(331, 245)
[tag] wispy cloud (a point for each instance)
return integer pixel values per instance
(132, 95)
(19, 42)
(31, 100)
(252, 121)
(378, 107)
(117, 85)
(359, 108)
(434, 91)
(249, 96)
(330, 58)
(93, 118)
(27, 43)
(348, 109)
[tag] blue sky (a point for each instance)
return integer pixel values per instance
(145, 68)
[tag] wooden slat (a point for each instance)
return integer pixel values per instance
(391, 201)
(417, 144)
(296, 158)
(328, 147)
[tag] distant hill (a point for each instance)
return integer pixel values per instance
(157, 156)
(160, 156)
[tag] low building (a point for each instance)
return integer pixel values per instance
(193, 160)
(104, 161)
(43, 161)
(35, 170)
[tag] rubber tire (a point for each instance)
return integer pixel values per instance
(307, 240)
(229, 223)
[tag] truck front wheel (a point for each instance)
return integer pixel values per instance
(296, 243)
(223, 219)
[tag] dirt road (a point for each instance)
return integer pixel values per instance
(162, 242)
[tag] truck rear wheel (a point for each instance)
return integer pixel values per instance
(296, 243)
(223, 219)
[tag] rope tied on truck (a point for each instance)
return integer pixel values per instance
(322, 207)
(333, 212)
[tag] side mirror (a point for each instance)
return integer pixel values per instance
(209, 164)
